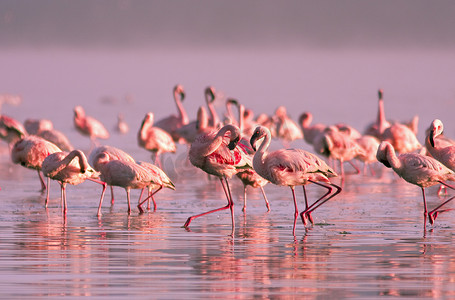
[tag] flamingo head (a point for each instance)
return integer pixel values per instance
(210, 94)
(380, 92)
(258, 133)
(436, 129)
(178, 90)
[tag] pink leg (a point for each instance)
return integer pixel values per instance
(104, 184)
(47, 192)
(432, 215)
(357, 170)
(128, 199)
(244, 198)
(139, 206)
(324, 198)
(296, 210)
(41, 179)
(112, 195)
(267, 204)
(229, 205)
(425, 211)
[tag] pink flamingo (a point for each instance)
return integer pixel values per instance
(11, 130)
(337, 145)
(100, 154)
(154, 139)
(292, 167)
(420, 170)
(89, 126)
(64, 168)
(30, 152)
(125, 174)
(122, 127)
(159, 181)
(310, 132)
(212, 154)
(369, 145)
(248, 177)
(286, 128)
(190, 131)
(173, 122)
(45, 129)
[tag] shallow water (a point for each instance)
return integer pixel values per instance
(368, 242)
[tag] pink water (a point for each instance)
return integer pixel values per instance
(368, 242)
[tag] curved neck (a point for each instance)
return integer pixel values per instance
(182, 112)
(217, 140)
(259, 156)
(381, 120)
(73, 154)
(392, 157)
(209, 100)
(146, 124)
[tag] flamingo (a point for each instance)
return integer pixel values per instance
(45, 129)
(11, 130)
(154, 139)
(292, 167)
(30, 152)
(10, 99)
(212, 154)
(374, 128)
(310, 132)
(369, 145)
(190, 131)
(173, 122)
(101, 153)
(159, 181)
(286, 128)
(337, 145)
(248, 177)
(64, 168)
(420, 170)
(89, 126)
(122, 127)
(125, 174)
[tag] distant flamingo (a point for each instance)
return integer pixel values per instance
(14, 100)
(30, 152)
(89, 126)
(125, 174)
(122, 127)
(420, 170)
(171, 123)
(11, 130)
(154, 139)
(286, 128)
(292, 167)
(337, 145)
(369, 145)
(373, 129)
(159, 181)
(45, 129)
(64, 168)
(190, 131)
(310, 132)
(212, 154)
(100, 154)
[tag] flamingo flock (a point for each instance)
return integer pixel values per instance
(238, 145)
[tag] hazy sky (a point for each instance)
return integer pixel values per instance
(123, 23)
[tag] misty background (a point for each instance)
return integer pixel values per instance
(327, 57)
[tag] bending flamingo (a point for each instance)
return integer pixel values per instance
(420, 170)
(171, 123)
(89, 126)
(286, 128)
(30, 152)
(154, 139)
(45, 129)
(292, 167)
(310, 132)
(65, 168)
(211, 153)
(11, 130)
(159, 181)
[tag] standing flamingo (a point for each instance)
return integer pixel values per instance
(125, 174)
(64, 168)
(173, 122)
(159, 181)
(89, 126)
(121, 127)
(154, 139)
(100, 154)
(292, 167)
(310, 132)
(420, 170)
(30, 152)
(212, 154)
(210, 97)
(190, 131)
(286, 128)
(45, 129)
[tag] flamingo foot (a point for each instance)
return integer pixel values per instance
(303, 216)
(188, 221)
(310, 218)
(141, 211)
(432, 217)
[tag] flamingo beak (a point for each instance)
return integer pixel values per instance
(233, 143)
(253, 141)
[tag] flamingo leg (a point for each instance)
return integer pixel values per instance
(128, 199)
(139, 206)
(47, 192)
(296, 212)
(244, 198)
(112, 195)
(432, 215)
(323, 199)
(265, 198)
(302, 215)
(357, 170)
(64, 208)
(101, 198)
(41, 179)
(424, 210)
(229, 205)
(140, 196)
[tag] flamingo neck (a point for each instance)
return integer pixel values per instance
(261, 154)
(143, 130)
(392, 158)
(381, 121)
(216, 142)
(182, 112)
